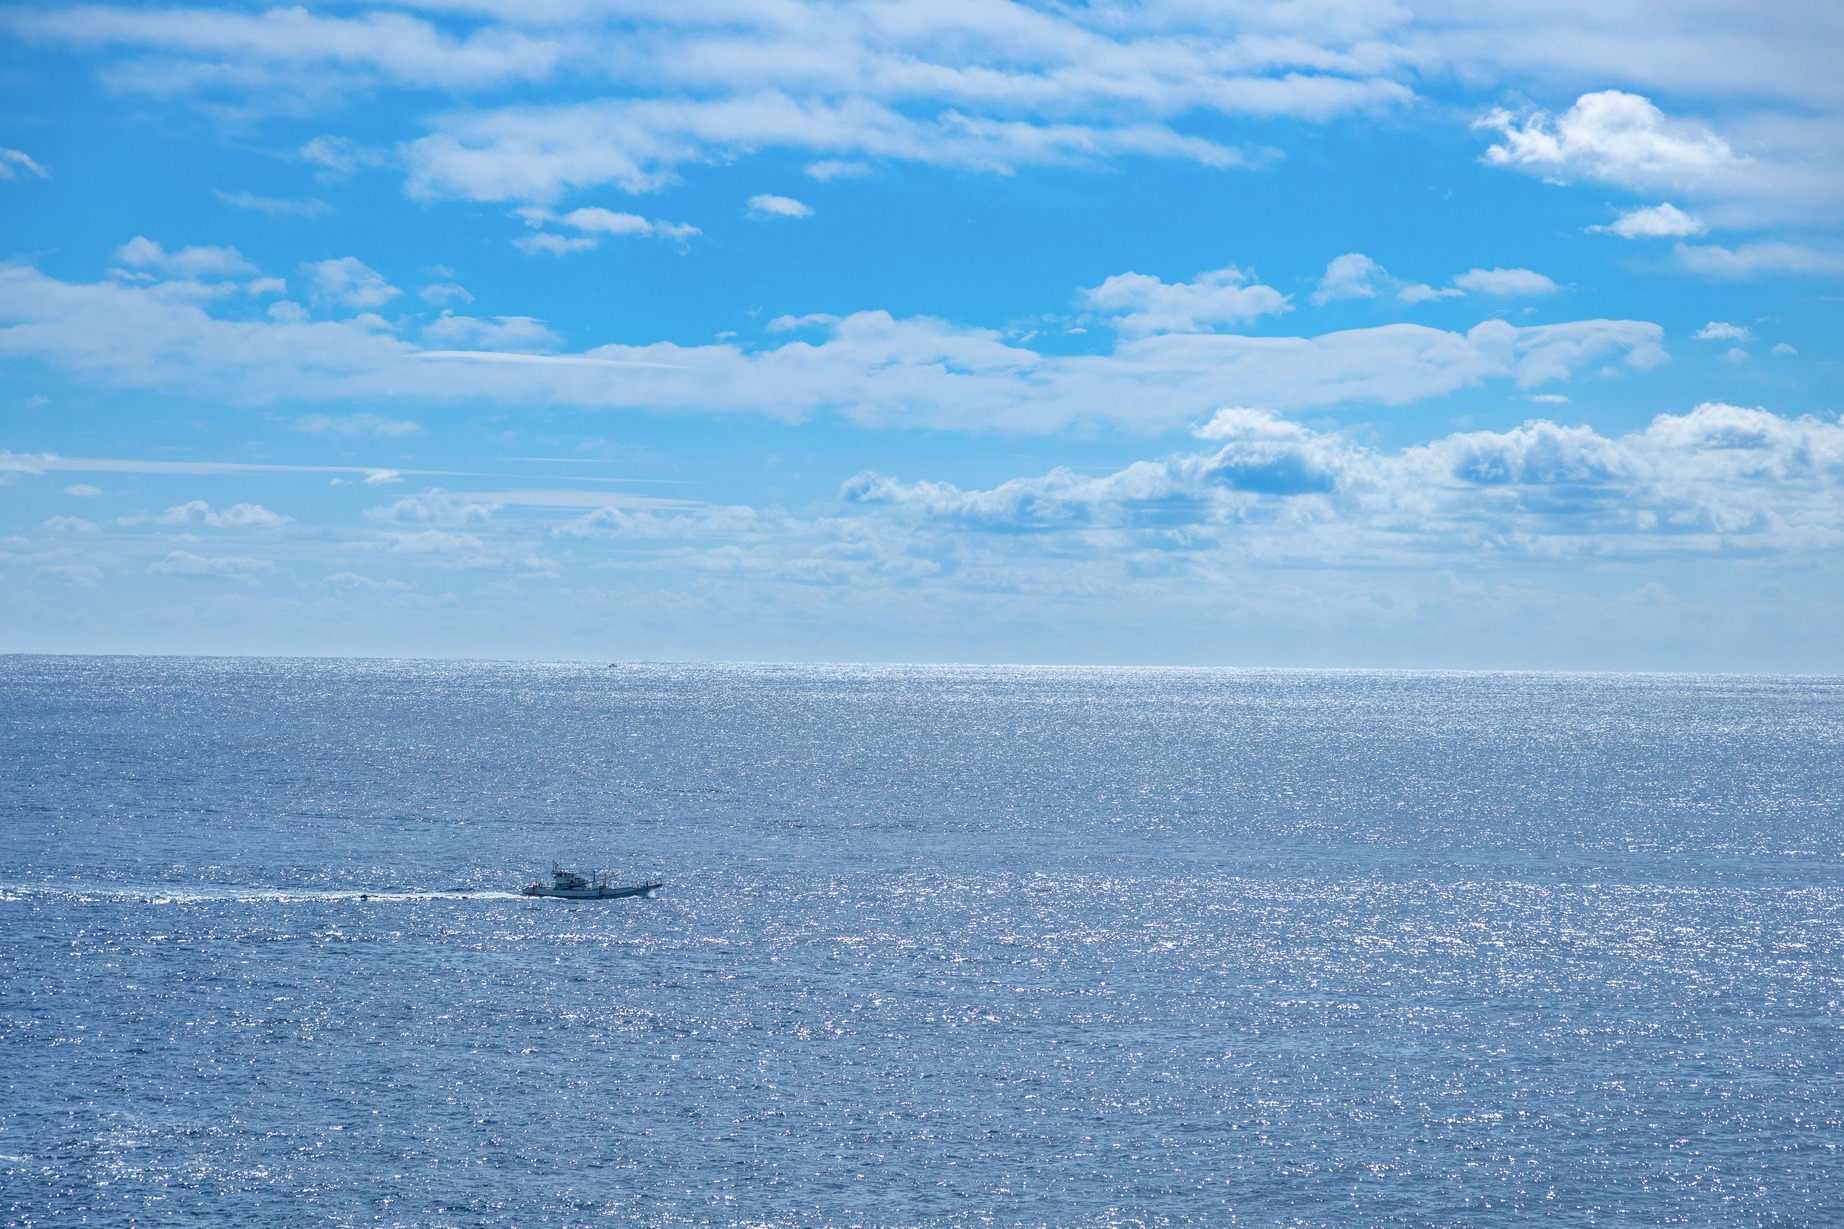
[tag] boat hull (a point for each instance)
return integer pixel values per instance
(638, 889)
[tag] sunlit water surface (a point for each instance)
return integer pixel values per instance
(938, 947)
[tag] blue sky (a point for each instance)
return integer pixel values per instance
(1337, 334)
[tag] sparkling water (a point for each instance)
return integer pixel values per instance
(938, 946)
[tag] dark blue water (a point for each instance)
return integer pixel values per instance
(939, 947)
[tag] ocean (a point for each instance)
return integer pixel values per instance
(938, 946)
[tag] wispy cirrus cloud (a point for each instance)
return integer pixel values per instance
(1750, 260)
(14, 162)
(276, 206)
(357, 425)
(994, 87)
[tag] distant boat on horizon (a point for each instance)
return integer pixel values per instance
(569, 885)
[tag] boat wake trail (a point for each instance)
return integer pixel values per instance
(153, 894)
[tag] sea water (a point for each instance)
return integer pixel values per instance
(938, 946)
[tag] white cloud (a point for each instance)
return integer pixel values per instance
(356, 425)
(445, 292)
(352, 581)
(1140, 303)
(765, 205)
(595, 221)
(1351, 276)
(1505, 282)
(1783, 350)
(540, 153)
(547, 244)
(188, 262)
(291, 47)
(988, 86)
(592, 224)
(868, 367)
(237, 516)
(1614, 137)
(341, 155)
(83, 490)
(1421, 292)
(1720, 478)
(828, 169)
(1759, 259)
(725, 523)
(70, 524)
(382, 477)
(229, 567)
(70, 574)
(498, 333)
(1717, 330)
(348, 282)
(1356, 276)
(276, 206)
(445, 549)
(13, 161)
(1654, 222)
(436, 507)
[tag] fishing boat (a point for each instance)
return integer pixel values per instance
(594, 886)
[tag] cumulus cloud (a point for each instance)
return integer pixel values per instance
(1506, 282)
(348, 282)
(1356, 276)
(1721, 478)
(765, 205)
(435, 507)
(237, 516)
(869, 367)
(83, 490)
(450, 331)
(592, 224)
(1140, 303)
(188, 262)
(1718, 330)
(641, 524)
(1614, 137)
(1351, 276)
(1654, 222)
